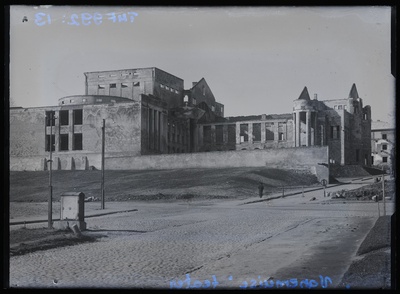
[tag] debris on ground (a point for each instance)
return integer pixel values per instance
(91, 199)
(371, 192)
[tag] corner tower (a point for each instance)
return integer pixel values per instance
(305, 120)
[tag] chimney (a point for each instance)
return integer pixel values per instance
(315, 96)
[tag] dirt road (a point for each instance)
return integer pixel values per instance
(207, 244)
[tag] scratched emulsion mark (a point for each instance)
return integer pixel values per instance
(85, 18)
(188, 283)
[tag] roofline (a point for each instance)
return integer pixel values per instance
(199, 82)
(86, 72)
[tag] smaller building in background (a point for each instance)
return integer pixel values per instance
(382, 144)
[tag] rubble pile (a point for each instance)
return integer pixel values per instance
(372, 192)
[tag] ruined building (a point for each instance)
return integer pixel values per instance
(147, 111)
(342, 124)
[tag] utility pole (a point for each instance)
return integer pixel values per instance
(102, 162)
(50, 200)
(383, 191)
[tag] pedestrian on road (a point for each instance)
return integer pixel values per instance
(260, 189)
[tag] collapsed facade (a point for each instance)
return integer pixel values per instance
(147, 111)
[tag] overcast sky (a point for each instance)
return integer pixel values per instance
(255, 60)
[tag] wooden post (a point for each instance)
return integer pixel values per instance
(102, 162)
(50, 199)
(379, 212)
(383, 191)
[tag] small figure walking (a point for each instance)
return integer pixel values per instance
(260, 189)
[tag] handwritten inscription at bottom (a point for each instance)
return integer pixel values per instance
(188, 283)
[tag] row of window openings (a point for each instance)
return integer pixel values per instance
(64, 142)
(169, 89)
(64, 117)
(244, 136)
(340, 107)
(114, 86)
(115, 75)
(281, 137)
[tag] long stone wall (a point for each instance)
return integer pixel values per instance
(306, 158)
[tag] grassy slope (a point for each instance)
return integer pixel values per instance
(124, 185)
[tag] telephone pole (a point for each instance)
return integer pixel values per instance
(50, 199)
(102, 162)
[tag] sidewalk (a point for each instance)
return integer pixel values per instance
(317, 192)
(92, 209)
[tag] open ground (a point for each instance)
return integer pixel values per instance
(189, 235)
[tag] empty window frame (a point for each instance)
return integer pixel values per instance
(232, 134)
(64, 117)
(384, 147)
(63, 142)
(244, 133)
(78, 116)
(335, 132)
(101, 86)
(113, 86)
(48, 115)
(124, 85)
(162, 86)
(340, 106)
(207, 135)
(384, 159)
(269, 131)
(136, 84)
(281, 136)
(384, 136)
(257, 132)
(77, 142)
(47, 142)
(219, 134)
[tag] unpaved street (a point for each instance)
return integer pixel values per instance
(201, 243)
